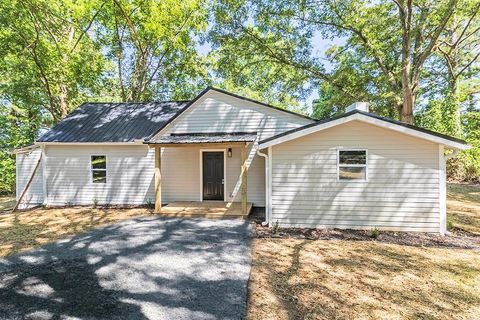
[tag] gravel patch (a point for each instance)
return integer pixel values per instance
(142, 268)
(456, 239)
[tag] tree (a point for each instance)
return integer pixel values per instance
(152, 44)
(56, 55)
(48, 58)
(396, 38)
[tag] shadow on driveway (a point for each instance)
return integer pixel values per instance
(142, 268)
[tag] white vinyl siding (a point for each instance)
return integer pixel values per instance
(130, 175)
(401, 193)
(25, 164)
(181, 175)
(218, 112)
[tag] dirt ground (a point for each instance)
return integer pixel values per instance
(26, 229)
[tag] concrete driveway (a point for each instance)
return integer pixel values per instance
(142, 268)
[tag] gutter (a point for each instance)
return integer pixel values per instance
(267, 189)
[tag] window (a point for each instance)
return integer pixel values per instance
(99, 169)
(352, 165)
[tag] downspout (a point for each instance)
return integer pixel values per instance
(267, 195)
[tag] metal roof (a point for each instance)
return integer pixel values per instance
(113, 122)
(193, 138)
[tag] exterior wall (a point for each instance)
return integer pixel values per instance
(25, 164)
(401, 193)
(130, 175)
(181, 179)
(218, 112)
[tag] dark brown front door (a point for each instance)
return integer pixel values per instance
(212, 175)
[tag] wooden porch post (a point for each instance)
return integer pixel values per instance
(158, 179)
(244, 179)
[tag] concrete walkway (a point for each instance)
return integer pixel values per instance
(142, 268)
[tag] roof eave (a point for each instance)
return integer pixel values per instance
(364, 117)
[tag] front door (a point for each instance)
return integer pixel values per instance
(212, 175)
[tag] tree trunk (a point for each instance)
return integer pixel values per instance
(63, 100)
(407, 108)
(406, 114)
(452, 101)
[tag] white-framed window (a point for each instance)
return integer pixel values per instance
(98, 166)
(352, 164)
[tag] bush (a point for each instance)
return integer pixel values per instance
(465, 167)
(375, 233)
(149, 203)
(95, 203)
(7, 173)
(275, 228)
(449, 224)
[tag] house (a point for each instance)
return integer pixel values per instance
(357, 170)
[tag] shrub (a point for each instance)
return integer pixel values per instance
(95, 203)
(7, 173)
(375, 233)
(149, 203)
(449, 224)
(275, 228)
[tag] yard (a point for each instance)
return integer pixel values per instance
(27, 229)
(348, 279)
(295, 278)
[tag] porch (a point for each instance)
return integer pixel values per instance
(215, 164)
(206, 209)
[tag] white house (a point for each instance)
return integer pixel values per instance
(357, 170)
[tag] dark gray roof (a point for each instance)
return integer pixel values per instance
(113, 122)
(204, 138)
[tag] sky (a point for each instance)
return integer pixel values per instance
(320, 46)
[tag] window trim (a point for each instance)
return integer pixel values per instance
(352, 165)
(91, 168)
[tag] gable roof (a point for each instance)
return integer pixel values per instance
(210, 88)
(368, 118)
(113, 122)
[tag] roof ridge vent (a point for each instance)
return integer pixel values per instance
(359, 106)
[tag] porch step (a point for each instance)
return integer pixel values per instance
(206, 209)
